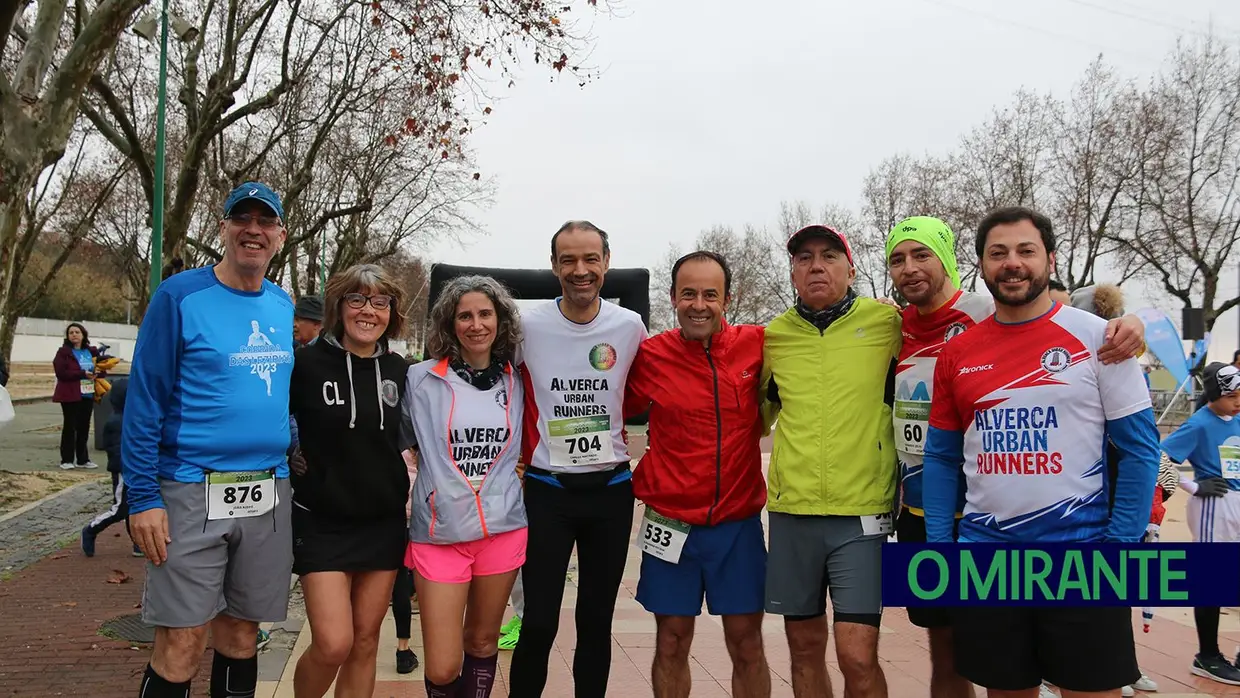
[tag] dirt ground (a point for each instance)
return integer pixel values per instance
(18, 489)
(31, 380)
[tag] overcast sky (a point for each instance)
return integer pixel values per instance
(708, 112)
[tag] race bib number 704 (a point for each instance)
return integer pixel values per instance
(580, 441)
(240, 495)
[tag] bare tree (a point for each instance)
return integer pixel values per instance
(1094, 162)
(424, 63)
(46, 58)
(1186, 219)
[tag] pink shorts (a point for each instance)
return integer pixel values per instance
(458, 563)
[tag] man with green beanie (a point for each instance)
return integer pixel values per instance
(922, 260)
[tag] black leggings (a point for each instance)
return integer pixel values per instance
(402, 607)
(599, 521)
(75, 429)
(119, 510)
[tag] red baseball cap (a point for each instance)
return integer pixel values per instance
(820, 231)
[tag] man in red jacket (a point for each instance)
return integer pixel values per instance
(701, 479)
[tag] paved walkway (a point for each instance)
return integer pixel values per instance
(50, 641)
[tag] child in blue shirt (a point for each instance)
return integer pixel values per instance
(1210, 442)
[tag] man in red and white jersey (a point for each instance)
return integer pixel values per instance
(574, 360)
(1023, 406)
(922, 260)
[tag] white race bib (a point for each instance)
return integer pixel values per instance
(88, 386)
(1229, 458)
(663, 537)
(876, 524)
(580, 441)
(910, 420)
(240, 495)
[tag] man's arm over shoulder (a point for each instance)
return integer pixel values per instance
(1130, 424)
(638, 387)
(944, 455)
(152, 378)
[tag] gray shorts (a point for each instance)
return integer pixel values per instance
(240, 567)
(811, 555)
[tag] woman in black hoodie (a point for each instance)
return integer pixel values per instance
(349, 504)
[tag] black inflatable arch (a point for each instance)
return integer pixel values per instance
(630, 287)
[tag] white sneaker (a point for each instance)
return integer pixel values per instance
(67, 466)
(1145, 683)
(1044, 691)
(1127, 691)
(89, 465)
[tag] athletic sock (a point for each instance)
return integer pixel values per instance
(156, 686)
(478, 675)
(1207, 630)
(233, 678)
(450, 690)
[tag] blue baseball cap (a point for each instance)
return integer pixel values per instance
(256, 191)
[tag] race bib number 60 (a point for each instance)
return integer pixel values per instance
(240, 495)
(663, 537)
(580, 441)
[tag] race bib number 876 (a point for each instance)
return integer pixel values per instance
(240, 495)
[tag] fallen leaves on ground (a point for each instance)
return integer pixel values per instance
(118, 577)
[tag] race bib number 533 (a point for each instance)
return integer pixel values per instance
(240, 495)
(663, 537)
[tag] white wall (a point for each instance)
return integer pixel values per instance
(38, 339)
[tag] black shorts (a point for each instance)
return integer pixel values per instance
(321, 544)
(1015, 648)
(911, 528)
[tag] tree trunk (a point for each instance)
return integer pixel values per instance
(12, 193)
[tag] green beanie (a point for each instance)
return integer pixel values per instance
(934, 234)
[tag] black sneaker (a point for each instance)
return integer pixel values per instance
(406, 661)
(88, 542)
(1216, 668)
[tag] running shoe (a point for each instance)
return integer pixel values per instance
(1145, 683)
(137, 552)
(1044, 691)
(88, 542)
(89, 465)
(510, 633)
(1216, 668)
(67, 466)
(406, 661)
(263, 638)
(1127, 692)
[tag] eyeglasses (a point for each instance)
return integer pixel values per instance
(264, 222)
(357, 301)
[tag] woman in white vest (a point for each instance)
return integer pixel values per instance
(467, 531)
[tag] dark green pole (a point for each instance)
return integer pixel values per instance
(157, 217)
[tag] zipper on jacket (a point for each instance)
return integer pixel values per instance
(718, 438)
(431, 501)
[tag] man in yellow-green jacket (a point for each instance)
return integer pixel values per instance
(828, 368)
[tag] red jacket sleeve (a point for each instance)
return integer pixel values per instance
(637, 393)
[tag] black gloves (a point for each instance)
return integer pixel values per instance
(1212, 487)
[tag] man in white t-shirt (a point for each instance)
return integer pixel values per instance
(574, 362)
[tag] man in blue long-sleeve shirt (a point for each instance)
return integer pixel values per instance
(1021, 410)
(204, 445)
